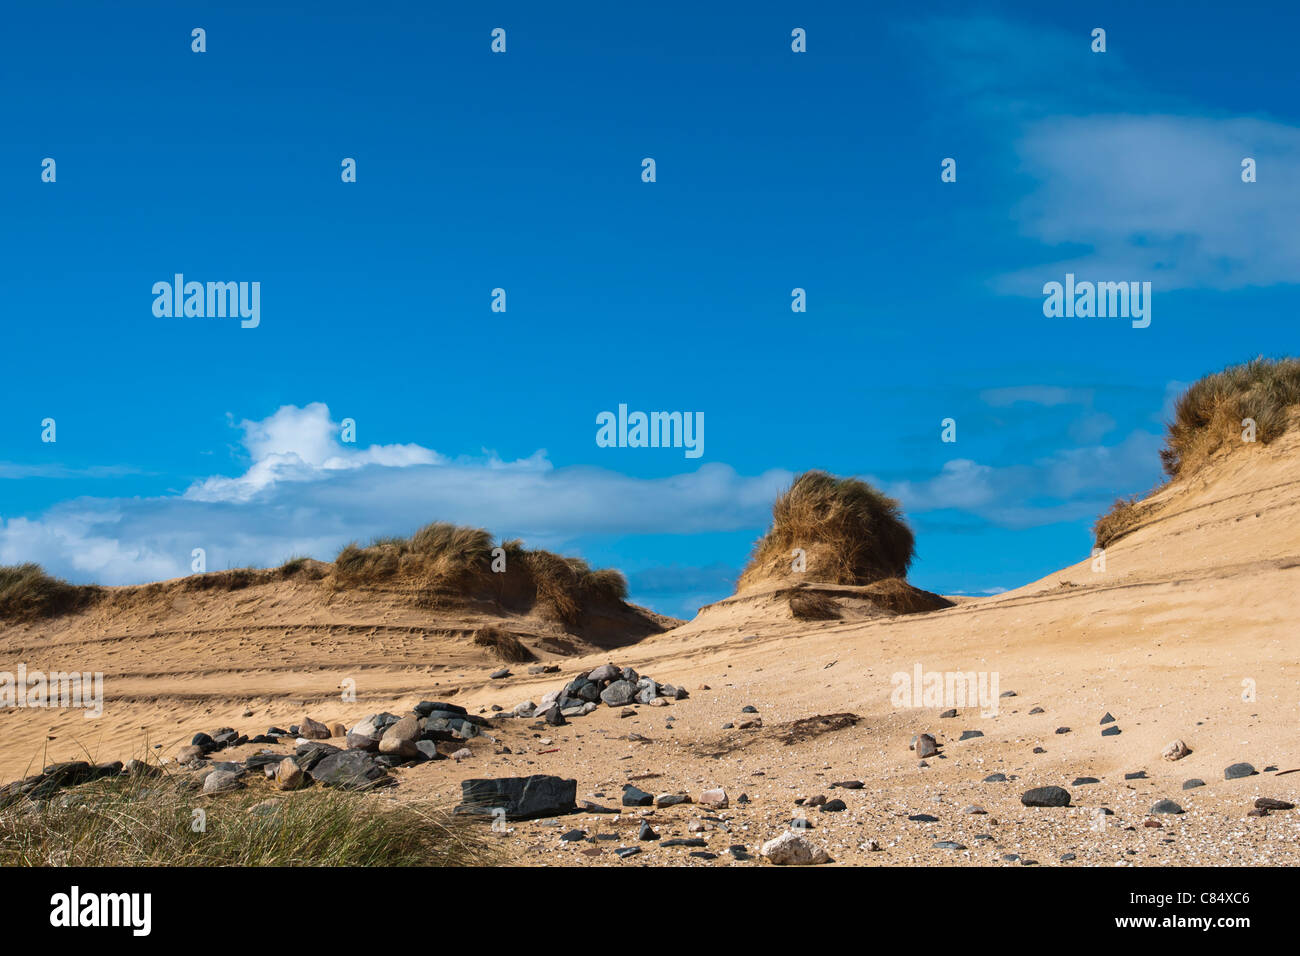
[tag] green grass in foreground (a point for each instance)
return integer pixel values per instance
(144, 821)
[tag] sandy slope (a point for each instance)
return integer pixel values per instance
(1204, 597)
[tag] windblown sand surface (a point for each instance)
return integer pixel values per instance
(1204, 597)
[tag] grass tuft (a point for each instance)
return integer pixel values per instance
(851, 534)
(27, 593)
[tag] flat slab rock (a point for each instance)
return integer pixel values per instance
(522, 798)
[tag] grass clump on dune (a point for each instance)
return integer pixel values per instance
(27, 593)
(139, 820)
(451, 562)
(850, 533)
(1209, 414)
(1209, 417)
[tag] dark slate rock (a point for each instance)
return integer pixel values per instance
(350, 770)
(693, 841)
(923, 818)
(573, 836)
(970, 735)
(627, 851)
(1062, 730)
(1111, 732)
(426, 707)
(522, 798)
(1137, 775)
(1166, 806)
(1046, 797)
(848, 784)
(647, 832)
(1108, 719)
(1238, 770)
(948, 845)
(1083, 781)
(1193, 783)
(948, 713)
(996, 778)
(833, 806)
(636, 797)
(749, 709)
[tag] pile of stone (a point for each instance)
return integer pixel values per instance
(609, 684)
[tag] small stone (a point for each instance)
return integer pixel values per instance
(1137, 775)
(499, 674)
(1166, 806)
(647, 832)
(1238, 770)
(1193, 783)
(1037, 710)
(1268, 803)
(1062, 730)
(834, 806)
(970, 734)
(573, 836)
(951, 712)
(926, 746)
(1083, 781)
(624, 852)
(948, 845)
(1111, 732)
(1175, 750)
(221, 781)
(794, 849)
(996, 778)
(313, 730)
(635, 797)
(1046, 797)
(715, 799)
(288, 775)
(1108, 719)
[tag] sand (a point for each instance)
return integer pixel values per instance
(1192, 612)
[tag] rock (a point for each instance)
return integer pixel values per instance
(313, 730)
(834, 806)
(221, 781)
(624, 852)
(464, 753)
(794, 849)
(1268, 803)
(1108, 719)
(694, 841)
(627, 712)
(671, 799)
(397, 747)
(1137, 775)
(1238, 770)
(619, 694)
(923, 818)
(605, 673)
(573, 836)
(522, 798)
(1046, 797)
(190, 753)
(135, 767)
(426, 707)
(359, 742)
(428, 750)
(204, 742)
(1062, 730)
(948, 845)
(1037, 710)
(526, 709)
(926, 746)
(1166, 806)
(949, 713)
(646, 832)
(1008, 693)
(288, 775)
(554, 717)
(1175, 750)
(1083, 781)
(715, 799)
(500, 673)
(1111, 732)
(849, 784)
(338, 730)
(375, 725)
(996, 778)
(1193, 783)
(636, 797)
(971, 734)
(350, 770)
(749, 709)
(588, 807)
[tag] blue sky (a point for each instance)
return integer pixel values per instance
(522, 171)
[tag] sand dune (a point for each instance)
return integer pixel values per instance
(1195, 612)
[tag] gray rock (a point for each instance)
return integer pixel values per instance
(221, 781)
(1239, 770)
(636, 797)
(1166, 806)
(619, 694)
(1193, 783)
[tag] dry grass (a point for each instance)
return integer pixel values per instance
(1209, 414)
(851, 534)
(27, 593)
(1208, 418)
(450, 563)
(504, 644)
(808, 606)
(138, 820)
